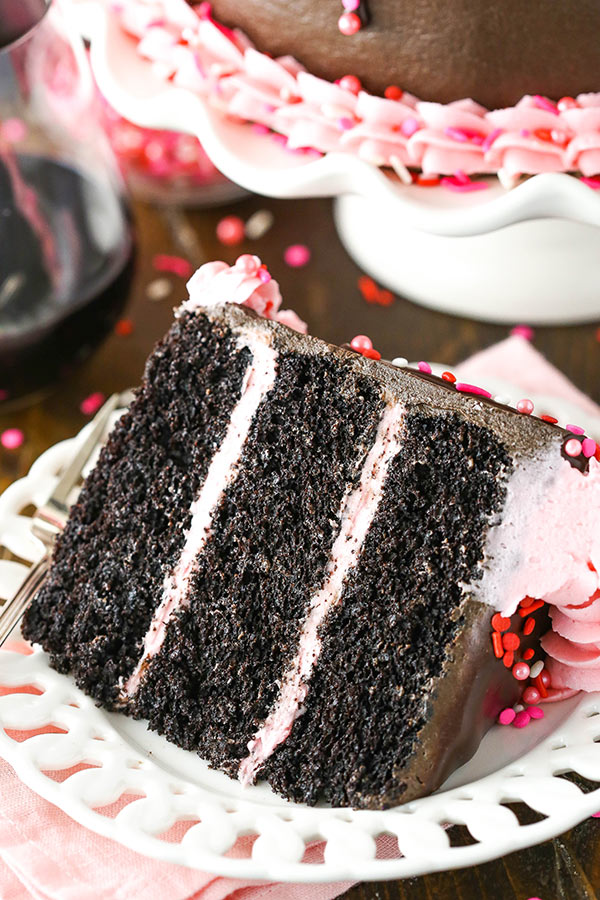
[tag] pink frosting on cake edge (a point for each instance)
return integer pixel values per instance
(194, 51)
(561, 565)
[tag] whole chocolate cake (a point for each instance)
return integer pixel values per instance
(431, 88)
(318, 568)
(439, 50)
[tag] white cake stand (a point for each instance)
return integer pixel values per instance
(530, 254)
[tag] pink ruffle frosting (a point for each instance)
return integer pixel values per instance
(194, 51)
(247, 283)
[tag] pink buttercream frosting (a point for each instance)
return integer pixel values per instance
(247, 283)
(194, 51)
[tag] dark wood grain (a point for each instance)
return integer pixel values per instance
(325, 293)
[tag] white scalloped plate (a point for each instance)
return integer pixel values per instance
(118, 779)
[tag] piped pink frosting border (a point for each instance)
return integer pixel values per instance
(192, 50)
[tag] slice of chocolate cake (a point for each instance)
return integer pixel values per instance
(303, 563)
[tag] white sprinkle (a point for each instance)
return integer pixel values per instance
(159, 289)
(400, 362)
(536, 669)
(400, 170)
(259, 223)
(518, 707)
(508, 180)
(502, 398)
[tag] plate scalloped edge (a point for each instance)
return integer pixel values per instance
(99, 766)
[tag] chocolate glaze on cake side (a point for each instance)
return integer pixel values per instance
(440, 51)
(303, 587)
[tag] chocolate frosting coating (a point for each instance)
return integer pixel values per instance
(441, 51)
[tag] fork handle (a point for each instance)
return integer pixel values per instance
(13, 610)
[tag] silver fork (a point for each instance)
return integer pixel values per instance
(50, 519)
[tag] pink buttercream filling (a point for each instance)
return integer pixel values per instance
(356, 515)
(194, 51)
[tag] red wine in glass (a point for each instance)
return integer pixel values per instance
(66, 260)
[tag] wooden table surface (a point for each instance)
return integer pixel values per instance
(325, 294)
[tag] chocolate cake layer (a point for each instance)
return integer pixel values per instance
(218, 672)
(393, 635)
(127, 529)
(493, 52)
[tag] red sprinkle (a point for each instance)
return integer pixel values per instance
(427, 180)
(368, 288)
(361, 343)
(175, 264)
(529, 654)
(550, 419)
(529, 625)
(509, 658)
(526, 601)
(92, 404)
(393, 92)
(525, 406)
(497, 644)
(448, 376)
(521, 671)
(537, 604)
(372, 354)
(350, 83)
(538, 682)
(531, 695)
(511, 641)
(500, 622)
(124, 327)
(349, 23)
(523, 331)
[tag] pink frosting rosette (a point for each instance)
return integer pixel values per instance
(583, 152)
(247, 283)
(533, 139)
(315, 120)
(383, 129)
(265, 86)
(452, 138)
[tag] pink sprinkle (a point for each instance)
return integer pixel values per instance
(257, 128)
(349, 23)
(471, 389)
(350, 5)
(457, 134)
(92, 404)
(535, 712)
(531, 695)
(13, 130)
(521, 671)
(575, 429)
(12, 438)
(345, 123)
(525, 133)
(523, 331)
(361, 342)
(596, 815)
(296, 256)
(424, 367)
(573, 447)
(231, 231)
(489, 140)
(409, 126)
(461, 177)
(279, 139)
(175, 264)
(522, 719)
(594, 183)
(525, 406)
(462, 188)
(264, 275)
(507, 716)
(544, 103)
(588, 447)
(350, 83)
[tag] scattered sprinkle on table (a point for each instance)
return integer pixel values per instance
(159, 289)
(296, 255)
(231, 231)
(163, 262)
(92, 404)
(124, 327)
(374, 294)
(259, 223)
(12, 438)
(523, 331)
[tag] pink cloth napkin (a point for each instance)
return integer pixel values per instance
(46, 856)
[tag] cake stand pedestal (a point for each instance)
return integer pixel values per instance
(531, 254)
